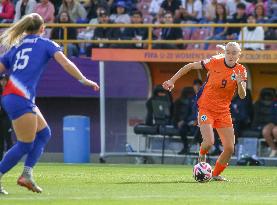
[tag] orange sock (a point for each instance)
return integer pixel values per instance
(203, 151)
(219, 168)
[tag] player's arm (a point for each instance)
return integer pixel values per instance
(72, 70)
(241, 85)
(169, 84)
(242, 89)
(2, 68)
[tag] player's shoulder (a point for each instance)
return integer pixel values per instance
(218, 57)
(48, 41)
(214, 59)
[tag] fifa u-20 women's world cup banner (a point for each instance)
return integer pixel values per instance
(153, 55)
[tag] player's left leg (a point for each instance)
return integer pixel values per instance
(228, 140)
(42, 137)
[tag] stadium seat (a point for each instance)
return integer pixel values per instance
(199, 34)
(144, 129)
(186, 33)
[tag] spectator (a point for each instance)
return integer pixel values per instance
(129, 5)
(191, 10)
(270, 130)
(102, 33)
(47, 10)
(133, 33)
(231, 6)
(170, 34)
(57, 4)
(238, 17)
(24, 7)
(7, 13)
(185, 115)
(272, 11)
(260, 14)
(88, 33)
(218, 32)
(262, 109)
(182, 112)
(252, 34)
(171, 6)
(154, 7)
(242, 113)
(92, 5)
(58, 34)
(5, 123)
(209, 10)
(75, 10)
(121, 16)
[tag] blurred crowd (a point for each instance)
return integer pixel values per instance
(151, 11)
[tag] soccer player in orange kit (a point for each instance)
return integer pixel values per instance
(225, 77)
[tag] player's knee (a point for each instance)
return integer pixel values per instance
(208, 142)
(25, 147)
(44, 134)
(229, 149)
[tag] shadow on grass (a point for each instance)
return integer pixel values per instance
(157, 182)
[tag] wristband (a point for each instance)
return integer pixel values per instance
(82, 80)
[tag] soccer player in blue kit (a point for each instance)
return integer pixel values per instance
(25, 60)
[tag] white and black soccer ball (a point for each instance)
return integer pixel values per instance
(202, 172)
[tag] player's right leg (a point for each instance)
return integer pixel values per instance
(208, 141)
(25, 128)
(205, 122)
(24, 121)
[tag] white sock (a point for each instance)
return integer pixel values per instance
(27, 171)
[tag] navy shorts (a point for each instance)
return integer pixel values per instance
(16, 106)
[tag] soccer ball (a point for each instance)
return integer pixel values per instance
(202, 172)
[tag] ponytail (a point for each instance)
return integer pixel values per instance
(30, 23)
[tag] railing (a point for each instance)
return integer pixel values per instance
(150, 28)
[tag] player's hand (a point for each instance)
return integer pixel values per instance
(168, 85)
(91, 83)
(239, 77)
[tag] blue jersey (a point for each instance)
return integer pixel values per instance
(25, 63)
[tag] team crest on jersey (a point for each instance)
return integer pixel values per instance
(233, 76)
(204, 117)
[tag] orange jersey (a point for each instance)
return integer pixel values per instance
(220, 86)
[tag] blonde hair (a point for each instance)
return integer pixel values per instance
(234, 44)
(30, 23)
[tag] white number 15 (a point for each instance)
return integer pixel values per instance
(21, 55)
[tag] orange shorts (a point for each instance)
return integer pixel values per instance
(217, 120)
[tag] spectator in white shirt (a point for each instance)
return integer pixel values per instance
(154, 7)
(121, 16)
(252, 34)
(191, 10)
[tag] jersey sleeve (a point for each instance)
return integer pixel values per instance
(52, 48)
(208, 64)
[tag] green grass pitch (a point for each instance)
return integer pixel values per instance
(140, 184)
